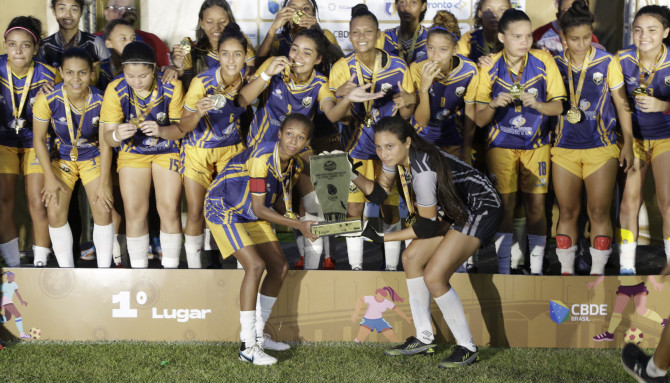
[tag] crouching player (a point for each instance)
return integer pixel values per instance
(239, 214)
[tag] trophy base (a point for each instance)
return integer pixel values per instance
(324, 229)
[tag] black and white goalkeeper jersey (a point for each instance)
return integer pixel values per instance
(52, 48)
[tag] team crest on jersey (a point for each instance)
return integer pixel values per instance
(667, 80)
(62, 119)
(95, 122)
(598, 78)
(532, 91)
(306, 102)
(518, 121)
(460, 91)
(277, 93)
(161, 117)
(386, 87)
(584, 105)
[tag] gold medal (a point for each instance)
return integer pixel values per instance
(369, 120)
(18, 122)
(641, 91)
(516, 90)
(74, 154)
(410, 220)
(297, 16)
(185, 44)
(136, 121)
(17, 125)
(219, 100)
(574, 115)
(291, 215)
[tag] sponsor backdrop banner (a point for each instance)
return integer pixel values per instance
(173, 305)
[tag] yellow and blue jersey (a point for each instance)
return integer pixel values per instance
(647, 126)
(599, 116)
(119, 107)
(103, 74)
(448, 96)
(281, 44)
(51, 108)
(473, 45)
(42, 74)
(526, 129)
(255, 170)
(360, 141)
(284, 98)
(391, 42)
(218, 128)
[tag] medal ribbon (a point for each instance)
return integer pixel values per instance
(16, 112)
(405, 190)
(646, 84)
(287, 195)
(517, 79)
(68, 115)
(574, 96)
(228, 88)
(147, 109)
(412, 47)
(361, 80)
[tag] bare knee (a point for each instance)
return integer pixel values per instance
(254, 267)
(436, 283)
(409, 257)
(278, 268)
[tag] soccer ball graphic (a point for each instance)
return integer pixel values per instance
(35, 333)
(633, 335)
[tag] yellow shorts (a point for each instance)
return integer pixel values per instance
(200, 164)
(518, 169)
(70, 171)
(583, 162)
(235, 236)
(369, 170)
(647, 150)
(169, 161)
(19, 161)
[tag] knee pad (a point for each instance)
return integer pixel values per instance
(602, 242)
(563, 241)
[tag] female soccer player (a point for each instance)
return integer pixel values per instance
(515, 96)
(446, 192)
(373, 319)
(386, 73)
(408, 40)
(238, 212)
(211, 124)
(118, 34)
(8, 290)
(22, 80)
(446, 83)
(482, 42)
(645, 64)
(134, 109)
(585, 150)
(73, 111)
(194, 58)
(293, 17)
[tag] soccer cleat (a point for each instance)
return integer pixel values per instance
(88, 254)
(255, 355)
(25, 336)
(329, 263)
(460, 356)
(300, 265)
(357, 268)
(606, 336)
(412, 346)
(155, 250)
(635, 362)
(627, 271)
(269, 344)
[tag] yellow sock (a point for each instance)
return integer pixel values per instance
(653, 315)
(614, 322)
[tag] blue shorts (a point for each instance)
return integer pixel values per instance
(380, 324)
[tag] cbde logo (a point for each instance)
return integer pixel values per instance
(559, 311)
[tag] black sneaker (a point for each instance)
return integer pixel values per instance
(635, 362)
(460, 356)
(412, 346)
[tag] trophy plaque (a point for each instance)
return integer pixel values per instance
(330, 176)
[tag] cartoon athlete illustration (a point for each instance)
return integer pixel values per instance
(631, 287)
(372, 319)
(10, 288)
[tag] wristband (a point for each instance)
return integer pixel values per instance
(265, 77)
(667, 110)
(114, 137)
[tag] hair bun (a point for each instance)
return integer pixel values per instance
(232, 28)
(359, 9)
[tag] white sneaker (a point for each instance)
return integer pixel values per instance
(269, 344)
(256, 355)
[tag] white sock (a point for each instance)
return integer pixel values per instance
(452, 309)
(326, 247)
(599, 260)
(117, 248)
(300, 242)
(567, 259)
(537, 244)
(171, 245)
(40, 254)
(419, 304)
(248, 327)
(103, 240)
(209, 243)
(193, 247)
(518, 241)
(61, 241)
(11, 254)
(407, 243)
(503, 243)
(627, 255)
(654, 371)
(312, 250)
(264, 305)
(355, 251)
(138, 250)
(666, 244)
(392, 249)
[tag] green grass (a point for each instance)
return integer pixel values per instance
(305, 362)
